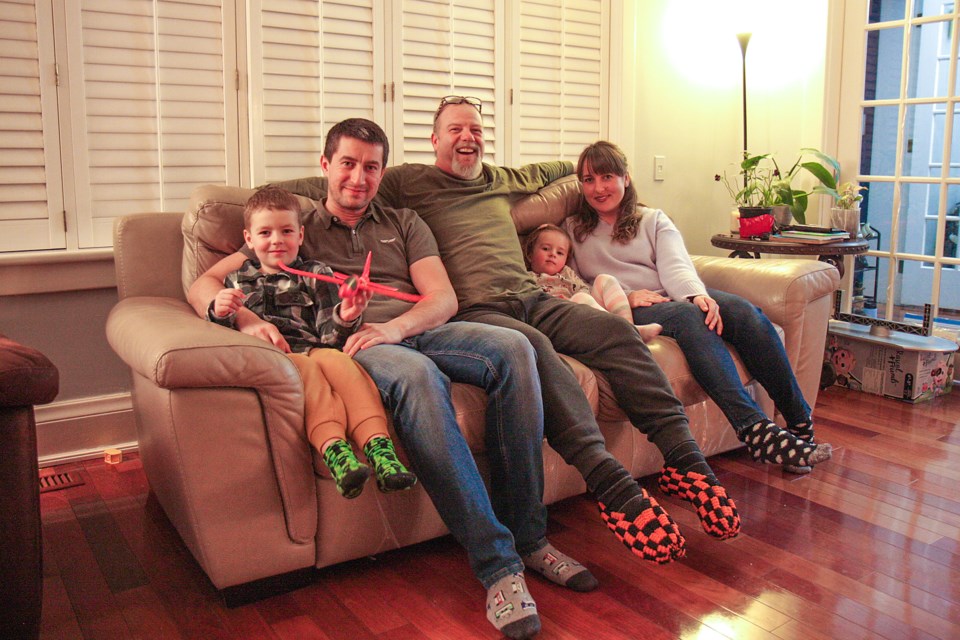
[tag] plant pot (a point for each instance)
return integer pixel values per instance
(755, 222)
(782, 216)
(846, 219)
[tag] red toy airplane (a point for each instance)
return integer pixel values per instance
(350, 285)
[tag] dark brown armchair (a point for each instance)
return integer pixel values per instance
(27, 378)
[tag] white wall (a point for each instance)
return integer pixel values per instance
(685, 72)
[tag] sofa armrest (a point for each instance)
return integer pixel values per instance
(781, 287)
(27, 377)
(795, 294)
(166, 343)
(163, 340)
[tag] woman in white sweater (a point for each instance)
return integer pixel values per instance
(613, 233)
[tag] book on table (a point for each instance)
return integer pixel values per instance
(810, 237)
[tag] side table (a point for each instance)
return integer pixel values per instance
(831, 253)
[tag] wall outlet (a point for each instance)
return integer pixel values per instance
(659, 167)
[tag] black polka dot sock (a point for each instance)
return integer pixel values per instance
(769, 443)
(803, 431)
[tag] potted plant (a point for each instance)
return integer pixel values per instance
(755, 198)
(791, 201)
(846, 212)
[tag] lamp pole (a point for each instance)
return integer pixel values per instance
(744, 40)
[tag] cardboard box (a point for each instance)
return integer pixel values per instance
(901, 366)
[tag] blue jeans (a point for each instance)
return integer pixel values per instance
(414, 380)
(750, 332)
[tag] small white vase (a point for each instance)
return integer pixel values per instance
(846, 219)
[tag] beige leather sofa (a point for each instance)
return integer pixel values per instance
(219, 413)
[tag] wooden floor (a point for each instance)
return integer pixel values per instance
(866, 547)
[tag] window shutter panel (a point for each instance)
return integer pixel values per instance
(562, 90)
(148, 103)
(447, 47)
(31, 198)
(312, 65)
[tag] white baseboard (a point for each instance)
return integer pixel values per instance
(83, 407)
(75, 430)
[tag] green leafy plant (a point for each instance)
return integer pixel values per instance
(765, 185)
(754, 186)
(822, 167)
(848, 195)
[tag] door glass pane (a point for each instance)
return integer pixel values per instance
(923, 140)
(912, 287)
(885, 10)
(930, 55)
(877, 211)
(869, 295)
(919, 204)
(946, 322)
(951, 240)
(954, 142)
(879, 142)
(885, 50)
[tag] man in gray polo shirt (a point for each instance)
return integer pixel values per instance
(413, 354)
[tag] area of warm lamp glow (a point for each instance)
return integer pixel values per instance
(786, 45)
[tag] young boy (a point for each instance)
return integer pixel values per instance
(342, 402)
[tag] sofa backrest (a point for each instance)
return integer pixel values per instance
(213, 224)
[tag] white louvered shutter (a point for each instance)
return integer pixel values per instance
(312, 65)
(445, 47)
(31, 198)
(562, 88)
(149, 115)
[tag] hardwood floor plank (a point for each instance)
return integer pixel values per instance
(145, 614)
(58, 620)
(90, 597)
(917, 597)
(351, 584)
(299, 628)
(887, 626)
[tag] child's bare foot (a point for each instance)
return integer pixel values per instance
(649, 331)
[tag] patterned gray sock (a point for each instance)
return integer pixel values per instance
(511, 609)
(560, 568)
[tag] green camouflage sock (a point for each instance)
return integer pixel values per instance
(391, 474)
(349, 473)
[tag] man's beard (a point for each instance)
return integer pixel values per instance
(468, 168)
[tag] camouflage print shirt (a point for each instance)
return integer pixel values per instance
(306, 310)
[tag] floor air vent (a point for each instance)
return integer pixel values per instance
(55, 481)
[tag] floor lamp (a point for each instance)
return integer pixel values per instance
(744, 40)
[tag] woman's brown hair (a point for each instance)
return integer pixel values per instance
(602, 158)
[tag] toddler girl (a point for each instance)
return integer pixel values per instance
(547, 249)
